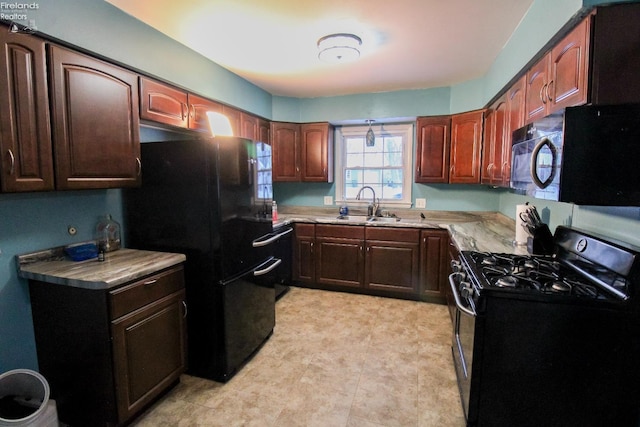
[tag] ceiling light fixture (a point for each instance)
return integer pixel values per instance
(341, 47)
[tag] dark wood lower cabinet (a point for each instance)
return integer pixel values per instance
(397, 262)
(434, 265)
(339, 256)
(392, 260)
(107, 354)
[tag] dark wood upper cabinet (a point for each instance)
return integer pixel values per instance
(95, 116)
(559, 79)
(466, 147)
(25, 135)
(285, 140)
(316, 151)
(495, 142)
(249, 126)
(198, 108)
(432, 149)
(515, 120)
(302, 152)
(163, 103)
(264, 131)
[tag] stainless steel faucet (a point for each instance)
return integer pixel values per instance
(372, 209)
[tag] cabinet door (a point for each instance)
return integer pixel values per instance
(568, 73)
(515, 118)
(494, 142)
(392, 266)
(95, 122)
(434, 265)
(466, 146)
(264, 131)
(249, 126)
(148, 350)
(316, 145)
(339, 262)
(432, 149)
(163, 103)
(25, 136)
(536, 99)
(303, 254)
(198, 108)
(285, 140)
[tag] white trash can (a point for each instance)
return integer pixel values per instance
(24, 400)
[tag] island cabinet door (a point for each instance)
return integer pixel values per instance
(148, 349)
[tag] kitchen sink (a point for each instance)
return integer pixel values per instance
(365, 218)
(385, 219)
(354, 218)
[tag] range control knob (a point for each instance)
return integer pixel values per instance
(466, 291)
(456, 266)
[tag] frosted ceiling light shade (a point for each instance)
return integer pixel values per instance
(341, 47)
(219, 124)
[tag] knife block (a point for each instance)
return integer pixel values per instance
(541, 241)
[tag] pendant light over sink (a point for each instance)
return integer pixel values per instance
(337, 48)
(370, 137)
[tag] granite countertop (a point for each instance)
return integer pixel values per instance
(119, 267)
(470, 231)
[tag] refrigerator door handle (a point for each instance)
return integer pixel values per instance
(274, 263)
(269, 238)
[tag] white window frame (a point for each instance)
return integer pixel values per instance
(406, 130)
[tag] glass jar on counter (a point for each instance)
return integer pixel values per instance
(107, 234)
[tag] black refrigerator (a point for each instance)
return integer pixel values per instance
(210, 199)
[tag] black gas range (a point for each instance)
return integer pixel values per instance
(549, 340)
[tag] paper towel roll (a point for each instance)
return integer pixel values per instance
(521, 233)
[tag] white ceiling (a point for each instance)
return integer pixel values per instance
(406, 44)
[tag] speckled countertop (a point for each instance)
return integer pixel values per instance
(119, 267)
(472, 231)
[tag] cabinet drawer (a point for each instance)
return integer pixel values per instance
(305, 230)
(138, 294)
(340, 231)
(410, 235)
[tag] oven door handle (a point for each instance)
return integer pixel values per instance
(459, 305)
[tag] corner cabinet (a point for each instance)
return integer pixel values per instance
(432, 149)
(95, 119)
(25, 135)
(108, 354)
(302, 152)
(466, 147)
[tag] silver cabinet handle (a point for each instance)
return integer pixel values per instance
(138, 166)
(549, 90)
(12, 161)
(277, 262)
(150, 282)
(184, 304)
(459, 305)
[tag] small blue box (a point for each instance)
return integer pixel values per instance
(82, 251)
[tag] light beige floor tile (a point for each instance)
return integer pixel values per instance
(334, 359)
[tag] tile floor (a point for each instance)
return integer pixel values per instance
(334, 359)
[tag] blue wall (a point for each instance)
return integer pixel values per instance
(40, 220)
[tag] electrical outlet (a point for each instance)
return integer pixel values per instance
(421, 203)
(328, 200)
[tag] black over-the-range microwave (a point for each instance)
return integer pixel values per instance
(587, 155)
